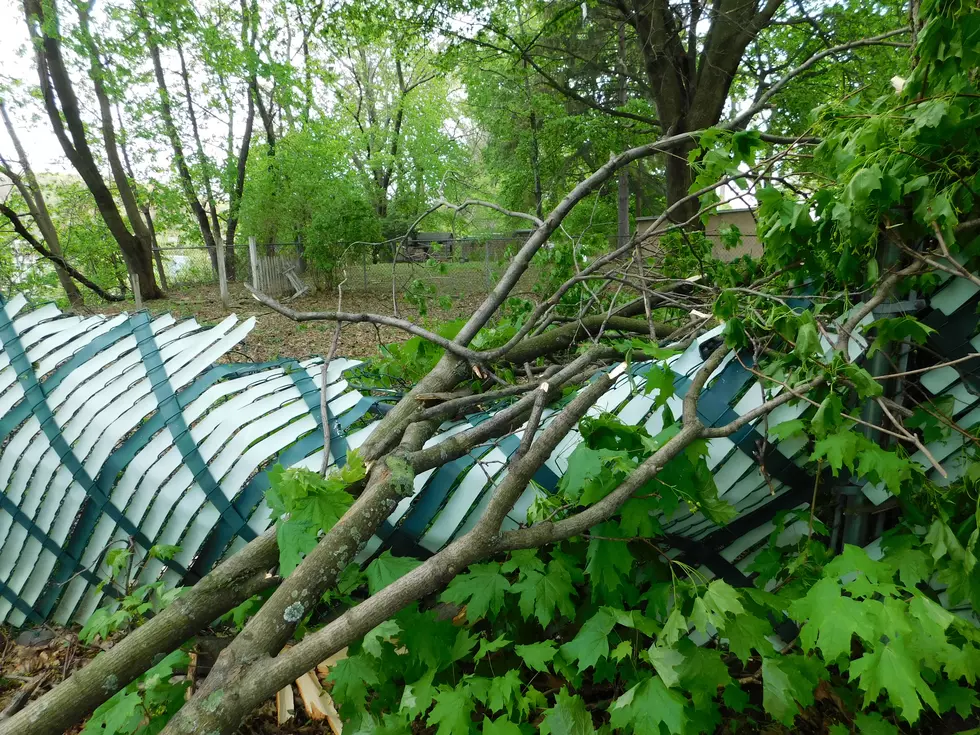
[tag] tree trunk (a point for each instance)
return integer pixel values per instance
(56, 86)
(31, 192)
(173, 135)
(623, 182)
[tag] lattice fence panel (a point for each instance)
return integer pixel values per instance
(127, 430)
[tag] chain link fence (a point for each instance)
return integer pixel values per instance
(447, 264)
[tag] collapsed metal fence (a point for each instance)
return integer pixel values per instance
(126, 430)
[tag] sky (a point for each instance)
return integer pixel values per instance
(15, 64)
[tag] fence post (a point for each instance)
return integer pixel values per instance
(222, 274)
(486, 246)
(253, 258)
(364, 264)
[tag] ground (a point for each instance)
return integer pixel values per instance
(465, 285)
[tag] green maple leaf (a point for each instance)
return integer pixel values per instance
(884, 467)
(296, 539)
(827, 416)
(623, 650)
(609, 562)
(890, 667)
(505, 693)
(722, 598)
(648, 704)
(324, 508)
(417, 697)
(568, 717)
(352, 677)
(963, 662)
(863, 381)
(488, 647)
(855, 559)
(839, 449)
(786, 429)
(702, 674)
(523, 560)
(952, 696)
(746, 632)
(386, 569)
(638, 517)
(537, 655)
(584, 465)
(667, 662)
(788, 683)
(451, 715)
(674, 628)
(541, 594)
(303, 503)
(500, 726)
(912, 565)
(807, 338)
(927, 611)
(660, 380)
(871, 723)
(863, 184)
(591, 643)
(123, 713)
(462, 645)
(735, 697)
(830, 619)
(481, 589)
(373, 640)
(713, 607)
(432, 642)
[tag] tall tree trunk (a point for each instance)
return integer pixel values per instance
(201, 157)
(123, 183)
(56, 87)
(623, 180)
(690, 86)
(173, 135)
(31, 192)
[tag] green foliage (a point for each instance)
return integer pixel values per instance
(303, 504)
(145, 705)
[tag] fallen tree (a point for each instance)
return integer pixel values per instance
(833, 225)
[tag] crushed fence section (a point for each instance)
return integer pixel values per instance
(126, 431)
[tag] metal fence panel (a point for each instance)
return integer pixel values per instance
(124, 430)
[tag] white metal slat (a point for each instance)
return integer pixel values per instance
(55, 497)
(89, 329)
(460, 501)
(180, 350)
(13, 391)
(182, 508)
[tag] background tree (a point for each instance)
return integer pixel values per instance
(62, 105)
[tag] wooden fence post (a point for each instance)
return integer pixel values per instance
(253, 258)
(222, 275)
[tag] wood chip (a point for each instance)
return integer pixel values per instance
(285, 704)
(191, 675)
(317, 703)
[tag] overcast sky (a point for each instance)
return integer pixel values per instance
(15, 64)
